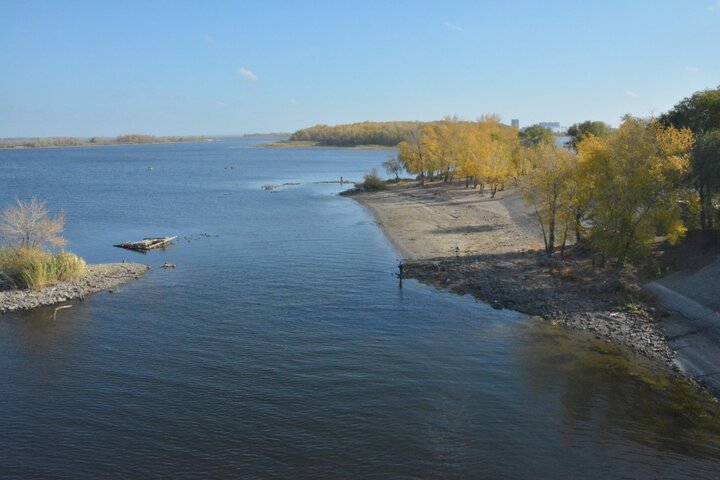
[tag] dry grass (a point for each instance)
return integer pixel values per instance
(35, 268)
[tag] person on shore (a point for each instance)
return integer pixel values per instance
(341, 181)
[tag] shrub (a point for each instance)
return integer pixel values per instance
(67, 266)
(373, 181)
(34, 273)
(35, 268)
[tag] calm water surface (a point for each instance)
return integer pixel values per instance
(282, 347)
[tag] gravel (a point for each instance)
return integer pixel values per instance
(96, 279)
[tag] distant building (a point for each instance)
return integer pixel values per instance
(553, 126)
(515, 123)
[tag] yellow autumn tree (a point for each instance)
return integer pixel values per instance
(550, 188)
(414, 153)
(493, 146)
(635, 178)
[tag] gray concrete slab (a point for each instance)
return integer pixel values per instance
(693, 330)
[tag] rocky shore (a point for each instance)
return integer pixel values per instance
(456, 239)
(97, 278)
(607, 304)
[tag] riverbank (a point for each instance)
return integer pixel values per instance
(25, 145)
(311, 144)
(96, 279)
(454, 238)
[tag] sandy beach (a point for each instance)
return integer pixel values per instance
(454, 238)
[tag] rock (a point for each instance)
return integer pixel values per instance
(96, 278)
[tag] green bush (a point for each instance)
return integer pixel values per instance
(35, 268)
(373, 181)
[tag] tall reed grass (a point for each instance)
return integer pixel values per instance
(34, 268)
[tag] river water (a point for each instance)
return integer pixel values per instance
(282, 346)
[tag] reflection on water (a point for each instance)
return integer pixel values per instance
(282, 347)
(667, 412)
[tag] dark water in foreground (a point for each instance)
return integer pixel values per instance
(281, 346)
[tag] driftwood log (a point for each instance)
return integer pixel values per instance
(147, 243)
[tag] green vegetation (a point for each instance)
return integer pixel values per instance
(535, 135)
(373, 182)
(580, 130)
(701, 114)
(388, 134)
(393, 166)
(26, 261)
(81, 142)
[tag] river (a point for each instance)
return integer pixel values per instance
(283, 347)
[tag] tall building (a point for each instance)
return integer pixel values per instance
(515, 123)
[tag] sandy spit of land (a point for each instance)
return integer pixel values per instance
(97, 278)
(455, 238)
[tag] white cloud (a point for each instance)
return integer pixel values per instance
(715, 8)
(691, 69)
(207, 39)
(221, 104)
(247, 74)
(631, 93)
(452, 26)
(294, 102)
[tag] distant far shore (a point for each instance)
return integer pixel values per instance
(65, 142)
(96, 279)
(312, 144)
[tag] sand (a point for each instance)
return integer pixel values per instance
(452, 237)
(442, 220)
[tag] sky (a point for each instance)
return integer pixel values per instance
(106, 68)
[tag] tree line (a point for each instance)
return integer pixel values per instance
(77, 142)
(388, 134)
(612, 189)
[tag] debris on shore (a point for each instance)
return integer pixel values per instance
(146, 244)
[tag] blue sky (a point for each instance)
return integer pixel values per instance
(189, 67)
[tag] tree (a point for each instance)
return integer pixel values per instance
(414, 153)
(579, 130)
(636, 177)
(549, 188)
(393, 166)
(701, 114)
(535, 135)
(30, 225)
(706, 169)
